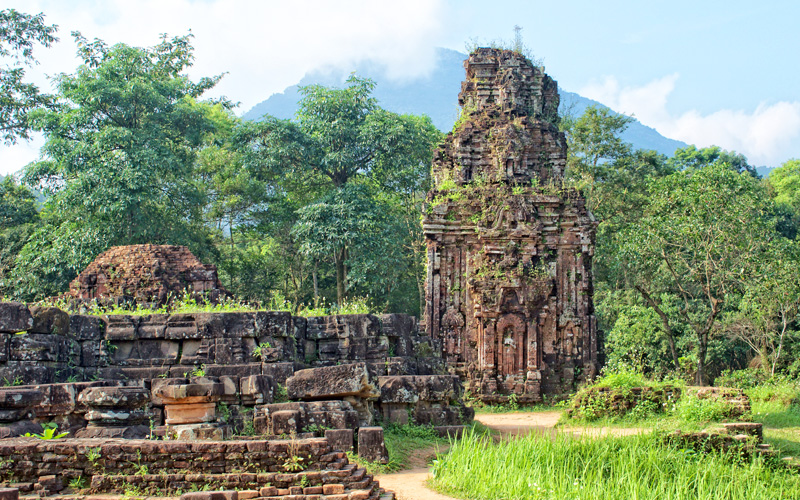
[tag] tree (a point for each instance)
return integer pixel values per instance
(770, 304)
(18, 34)
(18, 219)
(691, 157)
(340, 137)
(119, 160)
(700, 240)
(593, 140)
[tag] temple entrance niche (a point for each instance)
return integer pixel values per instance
(513, 336)
(509, 283)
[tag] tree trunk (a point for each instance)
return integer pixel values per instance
(341, 275)
(702, 350)
(665, 324)
(316, 287)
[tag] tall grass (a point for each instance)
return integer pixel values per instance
(631, 468)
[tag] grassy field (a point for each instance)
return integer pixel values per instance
(637, 467)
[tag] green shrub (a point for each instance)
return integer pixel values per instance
(743, 379)
(693, 409)
(622, 393)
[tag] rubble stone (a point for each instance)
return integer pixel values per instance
(331, 382)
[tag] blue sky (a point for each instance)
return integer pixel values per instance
(705, 72)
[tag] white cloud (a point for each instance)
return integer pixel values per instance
(264, 45)
(767, 135)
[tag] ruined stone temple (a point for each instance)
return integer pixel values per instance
(509, 284)
(146, 273)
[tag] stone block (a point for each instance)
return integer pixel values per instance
(371, 445)
(19, 397)
(114, 432)
(182, 327)
(274, 324)
(15, 317)
(280, 372)
(340, 439)
(29, 373)
(200, 432)
(234, 370)
(87, 327)
(93, 354)
(285, 422)
(116, 416)
(35, 347)
(153, 326)
(5, 341)
(257, 389)
(144, 352)
(211, 495)
(121, 327)
(192, 413)
(331, 382)
(49, 320)
(203, 390)
(9, 494)
(114, 397)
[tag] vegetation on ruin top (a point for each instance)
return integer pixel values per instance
(187, 303)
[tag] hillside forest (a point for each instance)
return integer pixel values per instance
(696, 259)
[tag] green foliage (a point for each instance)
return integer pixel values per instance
(281, 395)
(344, 184)
(19, 33)
(403, 441)
(118, 161)
(624, 394)
(49, 431)
(260, 350)
(691, 244)
(690, 408)
(604, 468)
(78, 483)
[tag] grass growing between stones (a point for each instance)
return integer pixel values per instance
(637, 467)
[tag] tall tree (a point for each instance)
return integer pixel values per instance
(19, 33)
(341, 137)
(700, 240)
(119, 159)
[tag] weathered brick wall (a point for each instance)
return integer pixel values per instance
(169, 467)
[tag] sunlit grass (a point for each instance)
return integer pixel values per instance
(637, 467)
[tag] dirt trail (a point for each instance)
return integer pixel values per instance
(410, 484)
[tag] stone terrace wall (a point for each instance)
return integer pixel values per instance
(42, 345)
(275, 468)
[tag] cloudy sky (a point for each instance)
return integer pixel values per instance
(704, 72)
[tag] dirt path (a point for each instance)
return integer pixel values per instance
(410, 484)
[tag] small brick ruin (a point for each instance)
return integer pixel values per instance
(509, 284)
(145, 274)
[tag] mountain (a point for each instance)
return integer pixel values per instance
(436, 95)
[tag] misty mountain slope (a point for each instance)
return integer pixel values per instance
(436, 95)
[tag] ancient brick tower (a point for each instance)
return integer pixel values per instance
(509, 285)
